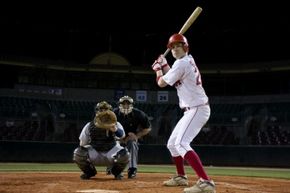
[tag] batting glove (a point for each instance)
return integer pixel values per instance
(160, 63)
(156, 66)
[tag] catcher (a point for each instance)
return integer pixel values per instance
(99, 144)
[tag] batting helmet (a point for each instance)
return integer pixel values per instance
(175, 38)
(103, 106)
(126, 104)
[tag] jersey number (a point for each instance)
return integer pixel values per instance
(198, 77)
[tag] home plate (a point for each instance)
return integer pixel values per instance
(98, 191)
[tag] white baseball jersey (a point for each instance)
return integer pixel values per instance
(185, 76)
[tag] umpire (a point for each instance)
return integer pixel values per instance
(136, 125)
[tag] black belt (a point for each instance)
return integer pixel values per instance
(188, 108)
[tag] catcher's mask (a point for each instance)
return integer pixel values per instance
(103, 106)
(126, 104)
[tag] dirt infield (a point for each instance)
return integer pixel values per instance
(144, 183)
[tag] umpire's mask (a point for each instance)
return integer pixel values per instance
(126, 105)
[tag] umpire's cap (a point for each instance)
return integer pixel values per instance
(126, 98)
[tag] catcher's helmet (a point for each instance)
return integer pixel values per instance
(175, 38)
(101, 106)
(126, 104)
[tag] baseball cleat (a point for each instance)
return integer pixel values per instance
(119, 177)
(85, 176)
(177, 181)
(132, 172)
(201, 186)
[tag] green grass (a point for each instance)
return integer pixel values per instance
(58, 167)
(283, 173)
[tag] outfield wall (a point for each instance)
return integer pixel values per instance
(258, 156)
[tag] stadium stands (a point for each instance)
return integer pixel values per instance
(61, 120)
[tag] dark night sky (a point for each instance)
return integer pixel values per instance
(226, 31)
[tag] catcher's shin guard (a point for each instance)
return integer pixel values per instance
(120, 162)
(80, 157)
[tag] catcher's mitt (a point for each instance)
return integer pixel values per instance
(105, 119)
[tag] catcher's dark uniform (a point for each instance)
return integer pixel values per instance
(100, 147)
(133, 122)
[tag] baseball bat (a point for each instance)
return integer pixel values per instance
(187, 24)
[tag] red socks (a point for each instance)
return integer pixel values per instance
(179, 165)
(193, 160)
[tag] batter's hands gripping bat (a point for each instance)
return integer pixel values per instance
(187, 24)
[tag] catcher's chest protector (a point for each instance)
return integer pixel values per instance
(101, 139)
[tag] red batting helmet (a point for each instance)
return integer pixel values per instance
(178, 38)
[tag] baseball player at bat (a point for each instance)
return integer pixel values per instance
(99, 144)
(186, 78)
